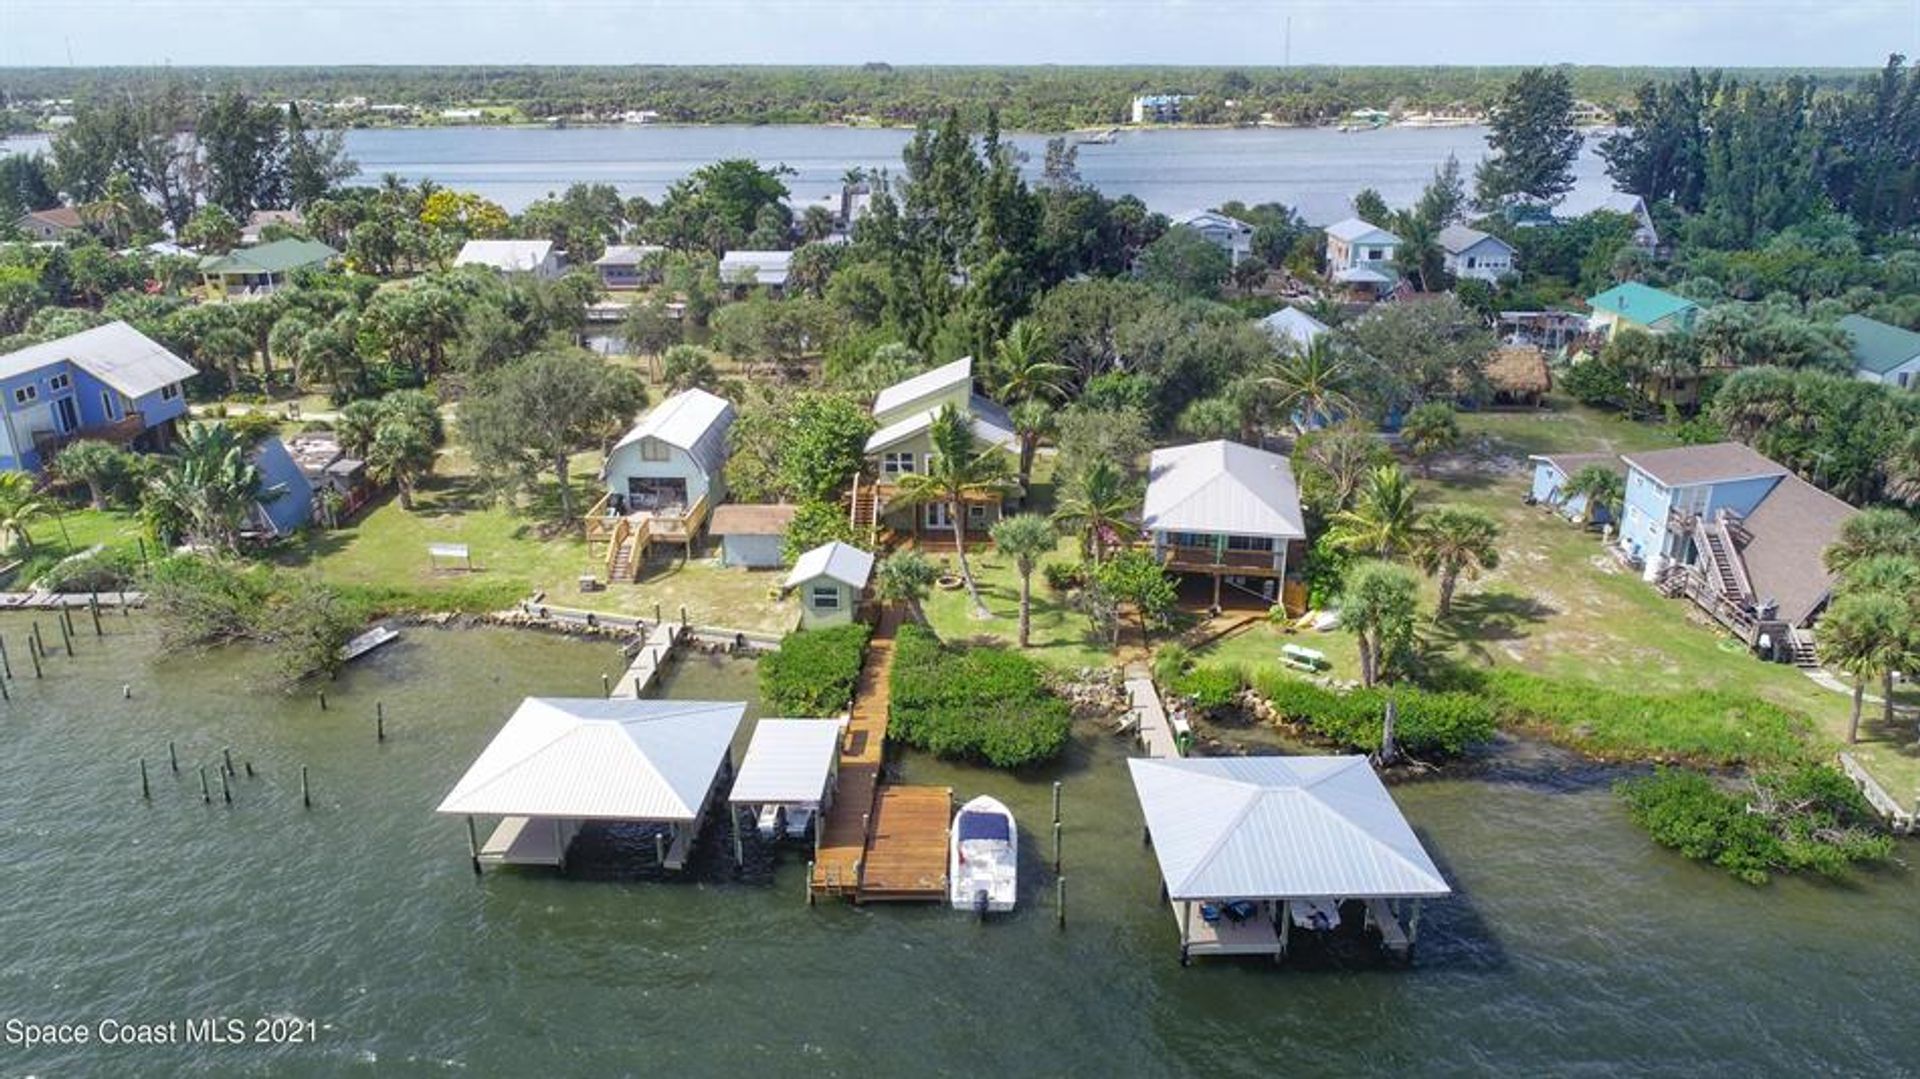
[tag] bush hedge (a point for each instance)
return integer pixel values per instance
(1808, 818)
(1427, 722)
(1704, 725)
(986, 704)
(105, 570)
(813, 671)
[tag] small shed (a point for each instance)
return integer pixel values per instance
(1251, 848)
(561, 763)
(786, 779)
(1552, 472)
(832, 579)
(751, 536)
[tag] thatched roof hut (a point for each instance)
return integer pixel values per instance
(1518, 375)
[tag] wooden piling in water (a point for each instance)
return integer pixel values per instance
(93, 608)
(306, 792)
(226, 757)
(173, 757)
(606, 685)
(6, 663)
(810, 879)
(33, 638)
(249, 767)
(323, 700)
(66, 636)
(1060, 901)
(4, 695)
(34, 654)
(379, 721)
(1056, 801)
(473, 846)
(226, 792)
(1056, 846)
(206, 793)
(146, 791)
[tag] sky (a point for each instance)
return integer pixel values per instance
(1748, 33)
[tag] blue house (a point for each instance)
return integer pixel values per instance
(1667, 490)
(111, 383)
(1552, 472)
(286, 494)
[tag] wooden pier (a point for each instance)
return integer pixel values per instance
(647, 663)
(78, 601)
(1157, 731)
(880, 841)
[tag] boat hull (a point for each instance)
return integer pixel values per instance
(983, 857)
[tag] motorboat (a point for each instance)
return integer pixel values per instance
(983, 857)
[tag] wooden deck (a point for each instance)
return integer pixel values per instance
(880, 842)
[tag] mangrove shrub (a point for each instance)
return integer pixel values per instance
(1803, 819)
(1429, 722)
(986, 704)
(813, 671)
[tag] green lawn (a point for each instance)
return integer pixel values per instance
(1060, 637)
(1559, 606)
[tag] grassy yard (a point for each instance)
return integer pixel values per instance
(1060, 637)
(1559, 606)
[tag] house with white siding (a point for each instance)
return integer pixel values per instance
(1360, 256)
(1472, 255)
(662, 480)
(1882, 353)
(1229, 234)
(1226, 513)
(535, 257)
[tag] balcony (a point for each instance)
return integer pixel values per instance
(119, 432)
(1211, 560)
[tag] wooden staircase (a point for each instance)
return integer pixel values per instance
(1805, 656)
(1722, 558)
(863, 505)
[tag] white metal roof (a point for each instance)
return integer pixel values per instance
(788, 760)
(923, 385)
(116, 354)
(842, 562)
(769, 267)
(1293, 324)
(694, 420)
(1355, 231)
(589, 758)
(627, 254)
(991, 425)
(1456, 239)
(1362, 275)
(507, 256)
(1221, 487)
(1204, 219)
(1279, 828)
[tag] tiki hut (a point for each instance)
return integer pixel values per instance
(1517, 375)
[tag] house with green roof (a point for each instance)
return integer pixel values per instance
(257, 271)
(1632, 305)
(1882, 353)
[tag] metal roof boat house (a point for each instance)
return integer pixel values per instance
(786, 779)
(1254, 849)
(1226, 512)
(561, 764)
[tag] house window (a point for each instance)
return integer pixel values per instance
(59, 382)
(109, 405)
(1375, 254)
(1250, 543)
(976, 514)
(653, 449)
(25, 394)
(1472, 262)
(826, 597)
(894, 464)
(1904, 376)
(170, 391)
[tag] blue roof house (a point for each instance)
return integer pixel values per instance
(286, 495)
(111, 383)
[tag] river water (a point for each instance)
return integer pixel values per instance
(1315, 170)
(1573, 947)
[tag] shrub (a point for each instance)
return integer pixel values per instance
(813, 671)
(1170, 663)
(104, 570)
(1064, 576)
(253, 426)
(1212, 687)
(987, 704)
(1429, 722)
(1808, 818)
(204, 601)
(1704, 725)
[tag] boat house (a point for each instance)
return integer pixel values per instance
(832, 579)
(786, 779)
(1255, 849)
(562, 764)
(662, 477)
(1227, 513)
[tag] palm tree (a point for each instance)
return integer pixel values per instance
(906, 578)
(1902, 467)
(1312, 385)
(1384, 520)
(1025, 539)
(20, 506)
(99, 465)
(1866, 634)
(1377, 605)
(1430, 429)
(1022, 369)
(1455, 542)
(957, 475)
(1897, 576)
(1096, 504)
(686, 367)
(210, 488)
(1872, 534)
(1602, 487)
(399, 454)
(1032, 420)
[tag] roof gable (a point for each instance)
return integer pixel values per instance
(1293, 324)
(278, 256)
(924, 385)
(788, 760)
(1640, 303)
(1459, 239)
(1355, 231)
(693, 420)
(1717, 462)
(116, 354)
(1788, 535)
(991, 424)
(837, 561)
(1222, 487)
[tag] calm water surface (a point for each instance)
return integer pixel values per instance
(1574, 946)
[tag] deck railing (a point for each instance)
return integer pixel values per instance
(120, 431)
(1210, 558)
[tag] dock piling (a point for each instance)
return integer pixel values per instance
(1056, 846)
(323, 700)
(306, 792)
(206, 793)
(226, 757)
(660, 848)
(473, 845)
(249, 767)
(379, 721)
(1056, 801)
(1060, 901)
(6, 663)
(173, 757)
(33, 653)
(93, 608)
(146, 791)
(4, 695)
(606, 685)
(66, 634)
(809, 882)
(126, 691)
(33, 637)
(683, 616)
(226, 791)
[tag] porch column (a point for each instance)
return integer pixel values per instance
(1216, 588)
(739, 859)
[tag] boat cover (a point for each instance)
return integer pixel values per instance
(984, 826)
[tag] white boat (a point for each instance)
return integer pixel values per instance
(983, 857)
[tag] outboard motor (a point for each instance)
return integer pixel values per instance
(980, 904)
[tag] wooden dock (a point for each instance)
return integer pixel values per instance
(880, 841)
(1158, 732)
(653, 655)
(79, 601)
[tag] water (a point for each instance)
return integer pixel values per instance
(1315, 170)
(1574, 946)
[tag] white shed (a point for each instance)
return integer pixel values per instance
(831, 578)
